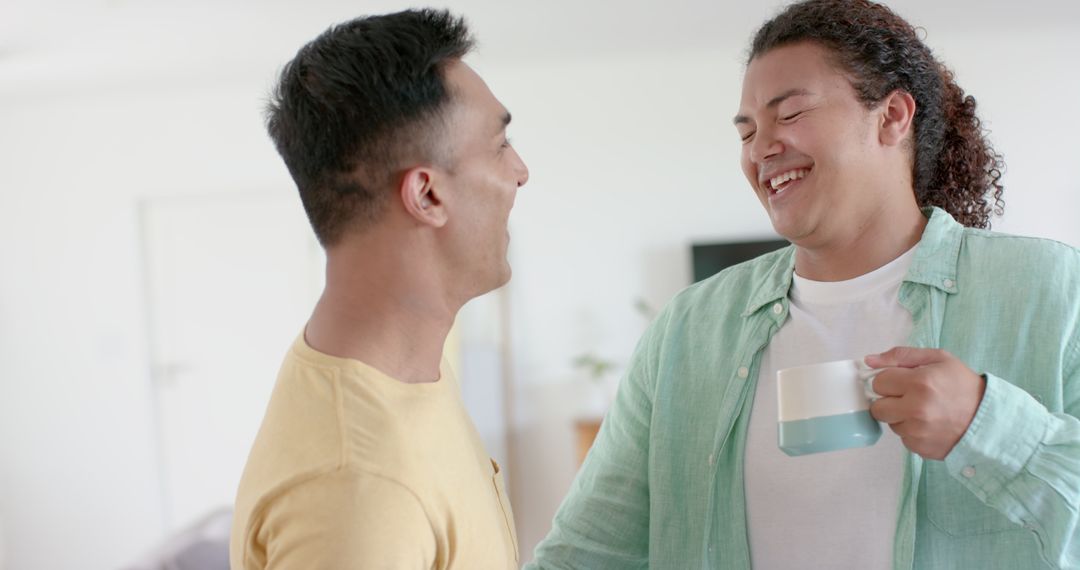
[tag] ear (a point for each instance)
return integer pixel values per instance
(897, 117)
(420, 198)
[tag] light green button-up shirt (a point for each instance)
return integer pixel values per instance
(663, 485)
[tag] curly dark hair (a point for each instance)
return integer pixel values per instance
(954, 165)
(357, 104)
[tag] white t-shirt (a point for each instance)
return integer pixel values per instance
(837, 509)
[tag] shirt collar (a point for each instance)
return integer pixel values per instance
(776, 283)
(938, 252)
(934, 264)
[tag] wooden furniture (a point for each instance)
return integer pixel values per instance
(585, 429)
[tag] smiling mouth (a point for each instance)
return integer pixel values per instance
(781, 182)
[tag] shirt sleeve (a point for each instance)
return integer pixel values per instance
(343, 520)
(1024, 460)
(603, 523)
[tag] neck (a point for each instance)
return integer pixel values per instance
(384, 309)
(862, 248)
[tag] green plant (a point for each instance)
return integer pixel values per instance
(593, 365)
(596, 367)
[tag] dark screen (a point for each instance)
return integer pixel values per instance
(710, 258)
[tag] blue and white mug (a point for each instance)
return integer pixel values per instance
(826, 407)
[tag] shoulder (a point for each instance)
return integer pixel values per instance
(1020, 259)
(1005, 242)
(344, 518)
(1023, 278)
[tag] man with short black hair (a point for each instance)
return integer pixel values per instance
(366, 457)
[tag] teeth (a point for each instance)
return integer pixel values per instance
(789, 175)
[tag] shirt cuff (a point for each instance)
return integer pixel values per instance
(1006, 431)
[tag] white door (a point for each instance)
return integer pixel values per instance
(231, 280)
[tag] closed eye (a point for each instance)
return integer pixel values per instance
(791, 116)
(747, 136)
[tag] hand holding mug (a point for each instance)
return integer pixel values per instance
(929, 398)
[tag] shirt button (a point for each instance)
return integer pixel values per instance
(712, 458)
(743, 372)
(949, 283)
(777, 308)
(968, 472)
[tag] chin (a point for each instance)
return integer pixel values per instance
(504, 277)
(788, 228)
(782, 229)
(494, 281)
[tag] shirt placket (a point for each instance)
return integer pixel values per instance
(765, 324)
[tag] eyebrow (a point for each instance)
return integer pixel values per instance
(796, 92)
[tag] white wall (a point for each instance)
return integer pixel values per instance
(632, 155)
(76, 436)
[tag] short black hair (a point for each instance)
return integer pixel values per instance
(357, 104)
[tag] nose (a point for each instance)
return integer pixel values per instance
(765, 145)
(522, 171)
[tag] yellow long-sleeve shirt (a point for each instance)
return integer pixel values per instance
(353, 469)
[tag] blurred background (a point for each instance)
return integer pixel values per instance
(155, 263)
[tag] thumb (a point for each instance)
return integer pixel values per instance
(904, 357)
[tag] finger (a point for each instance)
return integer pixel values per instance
(901, 431)
(905, 357)
(892, 381)
(899, 428)
(889, 410)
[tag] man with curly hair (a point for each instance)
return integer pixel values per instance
(869, 158)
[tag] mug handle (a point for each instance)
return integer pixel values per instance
(867, 375)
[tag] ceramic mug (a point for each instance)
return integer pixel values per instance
(826, 407)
